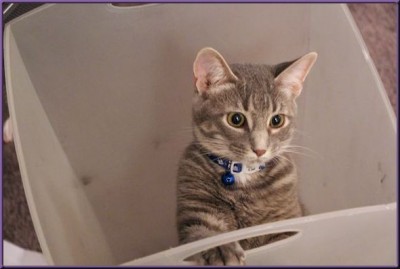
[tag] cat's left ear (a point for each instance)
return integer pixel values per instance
(291, 79)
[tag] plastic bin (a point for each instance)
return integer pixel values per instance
(100, 98)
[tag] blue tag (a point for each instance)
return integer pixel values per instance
(237, 167)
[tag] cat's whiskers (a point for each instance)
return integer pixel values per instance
(300, 147)
(284, 158)
(297, 149)
(275, 160)
(296, 152)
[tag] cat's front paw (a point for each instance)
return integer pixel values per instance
(229, 254)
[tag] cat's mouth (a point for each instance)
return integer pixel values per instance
(255, 160)
(252, 159)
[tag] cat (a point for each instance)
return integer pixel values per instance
(243, 119)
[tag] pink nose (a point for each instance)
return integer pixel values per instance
(259, 152)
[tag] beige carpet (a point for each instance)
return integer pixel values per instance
(377, 23)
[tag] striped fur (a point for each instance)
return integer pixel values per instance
(205, 207)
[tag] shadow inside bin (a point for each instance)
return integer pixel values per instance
(248, 244)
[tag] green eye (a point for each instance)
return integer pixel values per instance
(277, 121)
(236, 119)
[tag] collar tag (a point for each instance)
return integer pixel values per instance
(236, 167)
(254, 168)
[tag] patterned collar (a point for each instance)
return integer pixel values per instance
(232, 168)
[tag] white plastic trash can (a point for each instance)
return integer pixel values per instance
(100, 98)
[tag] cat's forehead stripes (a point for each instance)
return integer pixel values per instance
(254, 86)
(228, 98)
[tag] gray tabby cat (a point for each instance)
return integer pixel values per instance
(243, 113)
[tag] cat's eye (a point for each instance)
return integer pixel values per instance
(236, 119)
(277, 121)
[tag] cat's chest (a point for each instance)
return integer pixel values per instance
(248, 207)
(243, 178)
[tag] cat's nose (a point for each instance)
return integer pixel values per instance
(259, 152)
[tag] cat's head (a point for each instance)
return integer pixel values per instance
(245, 112)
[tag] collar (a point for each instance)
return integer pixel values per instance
(236, 167)
(231, 168)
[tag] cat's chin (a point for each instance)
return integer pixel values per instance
(254, 161)
(251, 160)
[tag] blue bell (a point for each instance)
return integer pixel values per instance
(228, 179)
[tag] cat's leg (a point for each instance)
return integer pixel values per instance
(202, 211)
(228, 254)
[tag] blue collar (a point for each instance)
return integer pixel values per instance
(232, 168)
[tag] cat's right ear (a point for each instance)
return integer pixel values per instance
(210, 70)
(291, 75)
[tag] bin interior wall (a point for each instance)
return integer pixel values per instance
(347, 120)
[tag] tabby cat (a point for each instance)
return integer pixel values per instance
(237, 172)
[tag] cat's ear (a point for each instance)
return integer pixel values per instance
(291, 75)
(210, 69)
